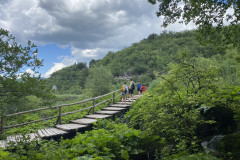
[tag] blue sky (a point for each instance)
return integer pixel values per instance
(70, 31)
(51, 54)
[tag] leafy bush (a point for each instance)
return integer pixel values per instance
(170, 113)
(117, 141)
(230, 145)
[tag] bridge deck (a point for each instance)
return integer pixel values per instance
(128, 103)
(98, 116)
(86, 121)
(71, 127)
(115, 109)
(120, 105)
(50, 132)
(74, 125)
(107, 112)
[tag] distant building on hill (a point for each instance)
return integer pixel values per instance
(54, 87)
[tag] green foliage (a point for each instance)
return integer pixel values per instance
(5, 155)
(205, 15)
(153, 84)
(230, 145)
(141, 61)
(189, 77)
(197, 156)
(16, 84)
(170, 112)
(117, 141)
(70, 80)
(154, 53)
(99, 81)
(229, 66)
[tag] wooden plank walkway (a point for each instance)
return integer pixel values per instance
(73, 126)
(50, 132)
(85, 121)
(108, 112)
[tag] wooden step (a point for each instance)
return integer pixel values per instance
(114, 109)
(107, 112)
(120, 105)
(129, 100)
(50, 132)
(128, 103)
(84, 121)
(17, 138)
(71, 127)
(98, 116)
(14, 138)
(32, 137)
(3, 144)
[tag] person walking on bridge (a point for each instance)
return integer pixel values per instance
(124, 91)
(143, 88)
(131, 89)
(139, 87)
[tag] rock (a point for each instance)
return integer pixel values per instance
(214, 142)
(204, 145)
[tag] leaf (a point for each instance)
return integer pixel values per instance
(124, 154)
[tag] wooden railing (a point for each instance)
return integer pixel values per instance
(59, 117)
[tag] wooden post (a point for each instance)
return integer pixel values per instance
(60, 115)
(2, 125)
(93, 105)
(113, 97)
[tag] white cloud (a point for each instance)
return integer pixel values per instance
(89, 53)
(30, 71)
(84, 55)
(90, 27)
(56, 67)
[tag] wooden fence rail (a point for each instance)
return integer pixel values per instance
(59, 120)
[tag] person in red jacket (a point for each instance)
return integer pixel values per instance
(143, 88)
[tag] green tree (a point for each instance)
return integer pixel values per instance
(99, 81)
(15, 83)
(205, 15)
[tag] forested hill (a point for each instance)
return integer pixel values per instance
(149, 56)
(154, 53)
(70, 79)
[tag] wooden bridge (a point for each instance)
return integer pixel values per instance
(69, 130)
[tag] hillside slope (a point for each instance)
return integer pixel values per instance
(149, 56)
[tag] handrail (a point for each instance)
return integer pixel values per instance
(60, 110)
(63, 105)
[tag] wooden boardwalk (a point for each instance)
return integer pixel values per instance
(66, 130)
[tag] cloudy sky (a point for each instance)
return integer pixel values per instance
(69, 31)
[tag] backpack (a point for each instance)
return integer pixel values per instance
(133, 86)
(122, 88)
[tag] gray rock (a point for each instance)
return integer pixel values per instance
(214, 142)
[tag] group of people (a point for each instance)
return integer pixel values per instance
(129, 90)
